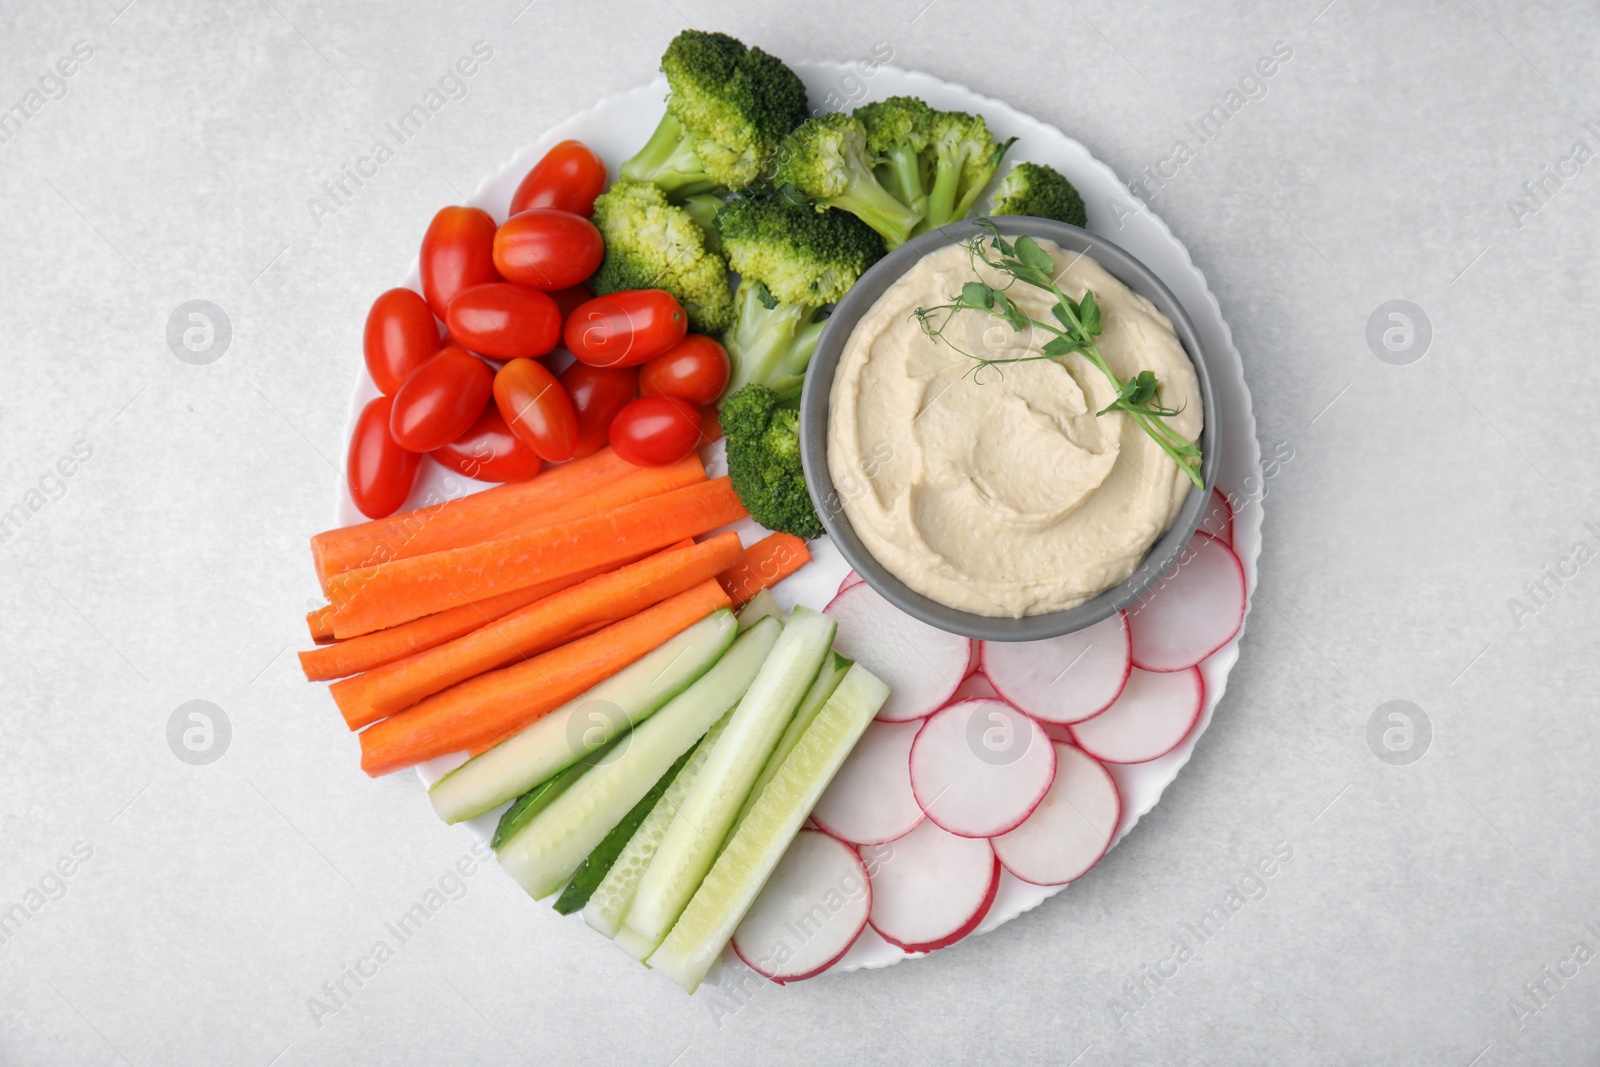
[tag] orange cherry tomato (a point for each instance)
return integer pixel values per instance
(379, 471)
(401, 333)
(569, 177)
(504, 320)
(626, 329)
(655, 430)
(537, 409)
(695, 369)
(547, 249)
(489, 451)
(440, 401)
(597, 393)
(457, 252)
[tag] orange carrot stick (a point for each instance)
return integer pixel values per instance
(375, 649)
(532, 629)
(408, 589)
(571, 490)
(320, 623)
(489, 706)
(765, 564)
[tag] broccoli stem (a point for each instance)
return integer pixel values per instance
(902, 172)
(770, 346)
(668, 160)
(877, 207)
(941, 206)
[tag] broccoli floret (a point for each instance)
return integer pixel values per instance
(764, 461)
(827, 159)
(703, 208)
(652, 244)
(1037, 190)
(728, 107)
(965, 157)
(897, 135)
(792, 260)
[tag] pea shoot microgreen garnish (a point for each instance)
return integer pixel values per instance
(1077, 324)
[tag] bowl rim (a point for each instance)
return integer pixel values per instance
(815, 400)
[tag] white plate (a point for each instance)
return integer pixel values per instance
(619, 124)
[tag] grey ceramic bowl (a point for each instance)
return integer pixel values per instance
(814, 435)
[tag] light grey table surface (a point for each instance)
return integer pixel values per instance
(1386, 159)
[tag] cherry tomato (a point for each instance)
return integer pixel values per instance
(655, 430)
(504, 320)
(537, 409)
(489, 451)
(710, 425)
(569, 300)
(457, 252)
(568, 178)
(598, 393)
(695, 370)
(626, 329)
(547, 249)
(401, 333)
(441, 400)
(380, 472)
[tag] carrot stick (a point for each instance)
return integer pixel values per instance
(765, 564)
(320, 623)
(571, 490)
(532, 629)
(375, 649)
(407, 589)
(490, 705)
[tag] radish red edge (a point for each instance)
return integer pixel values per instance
(983, 668)
(926, 738)
(1192, 660)
(859, 868)
(1194, 721)
(956, 935)
(908, 681)
(1218, 518)
(1116, 824)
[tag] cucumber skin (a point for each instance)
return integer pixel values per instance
(592, 871)
(697, 940)
(544, 855)
(719, 625)
(523, 810)
(703, 824)
(609, 922)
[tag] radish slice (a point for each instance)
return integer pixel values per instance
(1153, 715)
(1185, 618)
(850, 579)
(809, 913)
(1062, 679)
(921, 664)
(1070, 829)
(870, 801)
(980, 767)
(1218, 518)
(930, 889)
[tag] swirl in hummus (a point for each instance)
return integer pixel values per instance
(1002, 493)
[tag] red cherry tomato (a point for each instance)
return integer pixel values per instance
(696, 369)
(547, 249)
(457, 252)
(489, 451)
(568, 178)
(441, 400)
(569, 300)
(655, 430)
(626, 329)
(710, 426)
(537, 409)
(598, 393)
(401, 333)
(380, 472)
(504, 320)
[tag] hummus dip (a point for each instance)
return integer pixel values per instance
(1001, 492)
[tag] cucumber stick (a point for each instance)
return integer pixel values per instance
(548, 850)
(610, 901)
(584, 723)
(762, 606)
(531, 803)
(702, 824)
(728, 891)
(586, 879)
(822, 688)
